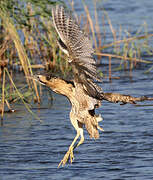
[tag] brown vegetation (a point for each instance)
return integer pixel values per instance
(31, 46)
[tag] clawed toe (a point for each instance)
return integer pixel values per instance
(68, 155)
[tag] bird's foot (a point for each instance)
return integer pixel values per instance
(68, 155)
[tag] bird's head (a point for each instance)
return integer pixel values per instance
(39, 78)
(48, 79)
(58, 85)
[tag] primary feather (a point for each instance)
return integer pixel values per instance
(76, 44)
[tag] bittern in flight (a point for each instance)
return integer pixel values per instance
(83, 94)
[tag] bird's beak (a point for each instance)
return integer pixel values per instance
(38, 78)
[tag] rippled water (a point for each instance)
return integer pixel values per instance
(32, 150)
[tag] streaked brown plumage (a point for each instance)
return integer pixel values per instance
(75, 43)
(83, 94)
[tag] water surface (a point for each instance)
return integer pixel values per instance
(32, 150)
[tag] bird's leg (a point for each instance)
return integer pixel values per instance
(82, 138)
(69, 152)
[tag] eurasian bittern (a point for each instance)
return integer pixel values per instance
(83, 94)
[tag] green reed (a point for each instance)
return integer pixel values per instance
(28, 45)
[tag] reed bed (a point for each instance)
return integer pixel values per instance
(28, 45)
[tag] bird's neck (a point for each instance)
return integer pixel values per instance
(61, 87)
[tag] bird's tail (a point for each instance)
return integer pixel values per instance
(92, 126)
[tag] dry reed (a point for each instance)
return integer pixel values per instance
(39, 51)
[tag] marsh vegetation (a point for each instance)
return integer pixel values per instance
(28, 46)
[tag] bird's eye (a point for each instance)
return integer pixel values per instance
(38, 78)
(48, 77)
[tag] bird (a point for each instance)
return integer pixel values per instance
(84, 94)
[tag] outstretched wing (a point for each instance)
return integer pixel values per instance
(76, 44)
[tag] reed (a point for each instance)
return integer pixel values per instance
(28, 45)
(3, 96)
(91, 24)
(21, 96)
(12, 32)
(127, 48)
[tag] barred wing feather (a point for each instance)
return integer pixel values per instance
(76, 44)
